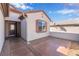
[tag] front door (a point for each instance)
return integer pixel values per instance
(12, 29)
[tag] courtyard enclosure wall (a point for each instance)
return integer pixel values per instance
(68, 29)
(31, 25)
(1, 30)
(65, 35)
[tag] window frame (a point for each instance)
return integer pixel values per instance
(37, 26)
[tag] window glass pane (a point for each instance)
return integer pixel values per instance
(12, 27)
(41, 25)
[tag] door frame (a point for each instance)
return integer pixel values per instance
(16, 25)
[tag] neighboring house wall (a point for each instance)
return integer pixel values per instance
(23, 29)
(31, 25)
(1, 30)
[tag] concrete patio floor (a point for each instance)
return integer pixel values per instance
(47, 46)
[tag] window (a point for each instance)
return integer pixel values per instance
(41, 26)
(12, 27)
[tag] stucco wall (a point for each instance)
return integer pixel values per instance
(23, 29)
(12, 16)
(31, 26)
(69, 29)
(72, 29)
(66, 32)
(6, 29)
(1, 30)
(66, 35)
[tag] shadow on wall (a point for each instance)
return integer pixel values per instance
(63, 29)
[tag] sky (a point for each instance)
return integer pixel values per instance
(57, 12)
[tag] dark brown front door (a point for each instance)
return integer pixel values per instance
(12, 29)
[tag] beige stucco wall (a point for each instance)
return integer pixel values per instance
(24, 29)
(69, 29)
(12, 16)
(1, 30)
(65, 35)
(71, 33)
(31, 26)
(72, 29)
